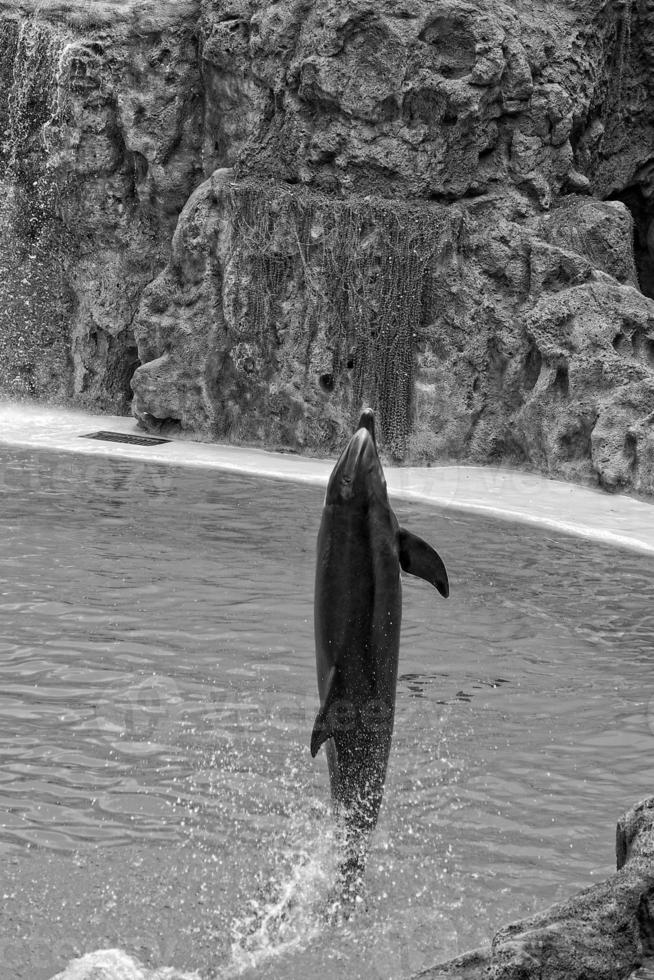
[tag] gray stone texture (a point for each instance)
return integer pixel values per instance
(110, 133)
(281, 210)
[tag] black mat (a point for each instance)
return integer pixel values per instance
(123, 437)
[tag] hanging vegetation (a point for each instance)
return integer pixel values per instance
(365, 270)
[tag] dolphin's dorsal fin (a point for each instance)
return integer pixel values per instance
(419, 558)
(321, 727)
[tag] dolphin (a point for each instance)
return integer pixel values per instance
(357, 616)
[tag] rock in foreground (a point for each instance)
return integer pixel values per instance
(602, 933)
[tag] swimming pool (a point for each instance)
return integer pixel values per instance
(157, 693)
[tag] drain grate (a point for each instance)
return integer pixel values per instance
(124, 437)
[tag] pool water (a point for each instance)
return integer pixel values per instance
(157, 694)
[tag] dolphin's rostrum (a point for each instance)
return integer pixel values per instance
(358, 610)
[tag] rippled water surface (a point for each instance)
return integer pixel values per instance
(157, 693)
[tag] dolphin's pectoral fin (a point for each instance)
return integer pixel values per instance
(419, 558)
(321, 732)
(322, 729)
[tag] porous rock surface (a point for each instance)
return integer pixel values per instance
(605, 932)
(442, 209)
(102, 109)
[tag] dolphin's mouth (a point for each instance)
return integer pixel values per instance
(357, 476)
(367, 421)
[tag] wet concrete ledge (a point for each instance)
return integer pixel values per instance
(499, 492)
(605, 932)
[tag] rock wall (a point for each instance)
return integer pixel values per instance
(103, 112)
(442, 209)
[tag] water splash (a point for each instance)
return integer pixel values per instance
(624, 44)
(298, 903)
(293, 907)
(36, 97)
(34, 299)
(114, 964)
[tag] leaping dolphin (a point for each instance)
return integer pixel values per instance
(357, 614)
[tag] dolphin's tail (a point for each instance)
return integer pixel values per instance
(346, 895)
(351, 872)
(353, 841)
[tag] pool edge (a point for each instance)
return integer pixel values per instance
(615, 520)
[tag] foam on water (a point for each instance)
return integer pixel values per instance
(114, 964)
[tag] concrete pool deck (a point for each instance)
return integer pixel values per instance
(613, 519)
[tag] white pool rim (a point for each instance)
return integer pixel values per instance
(496, 491)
